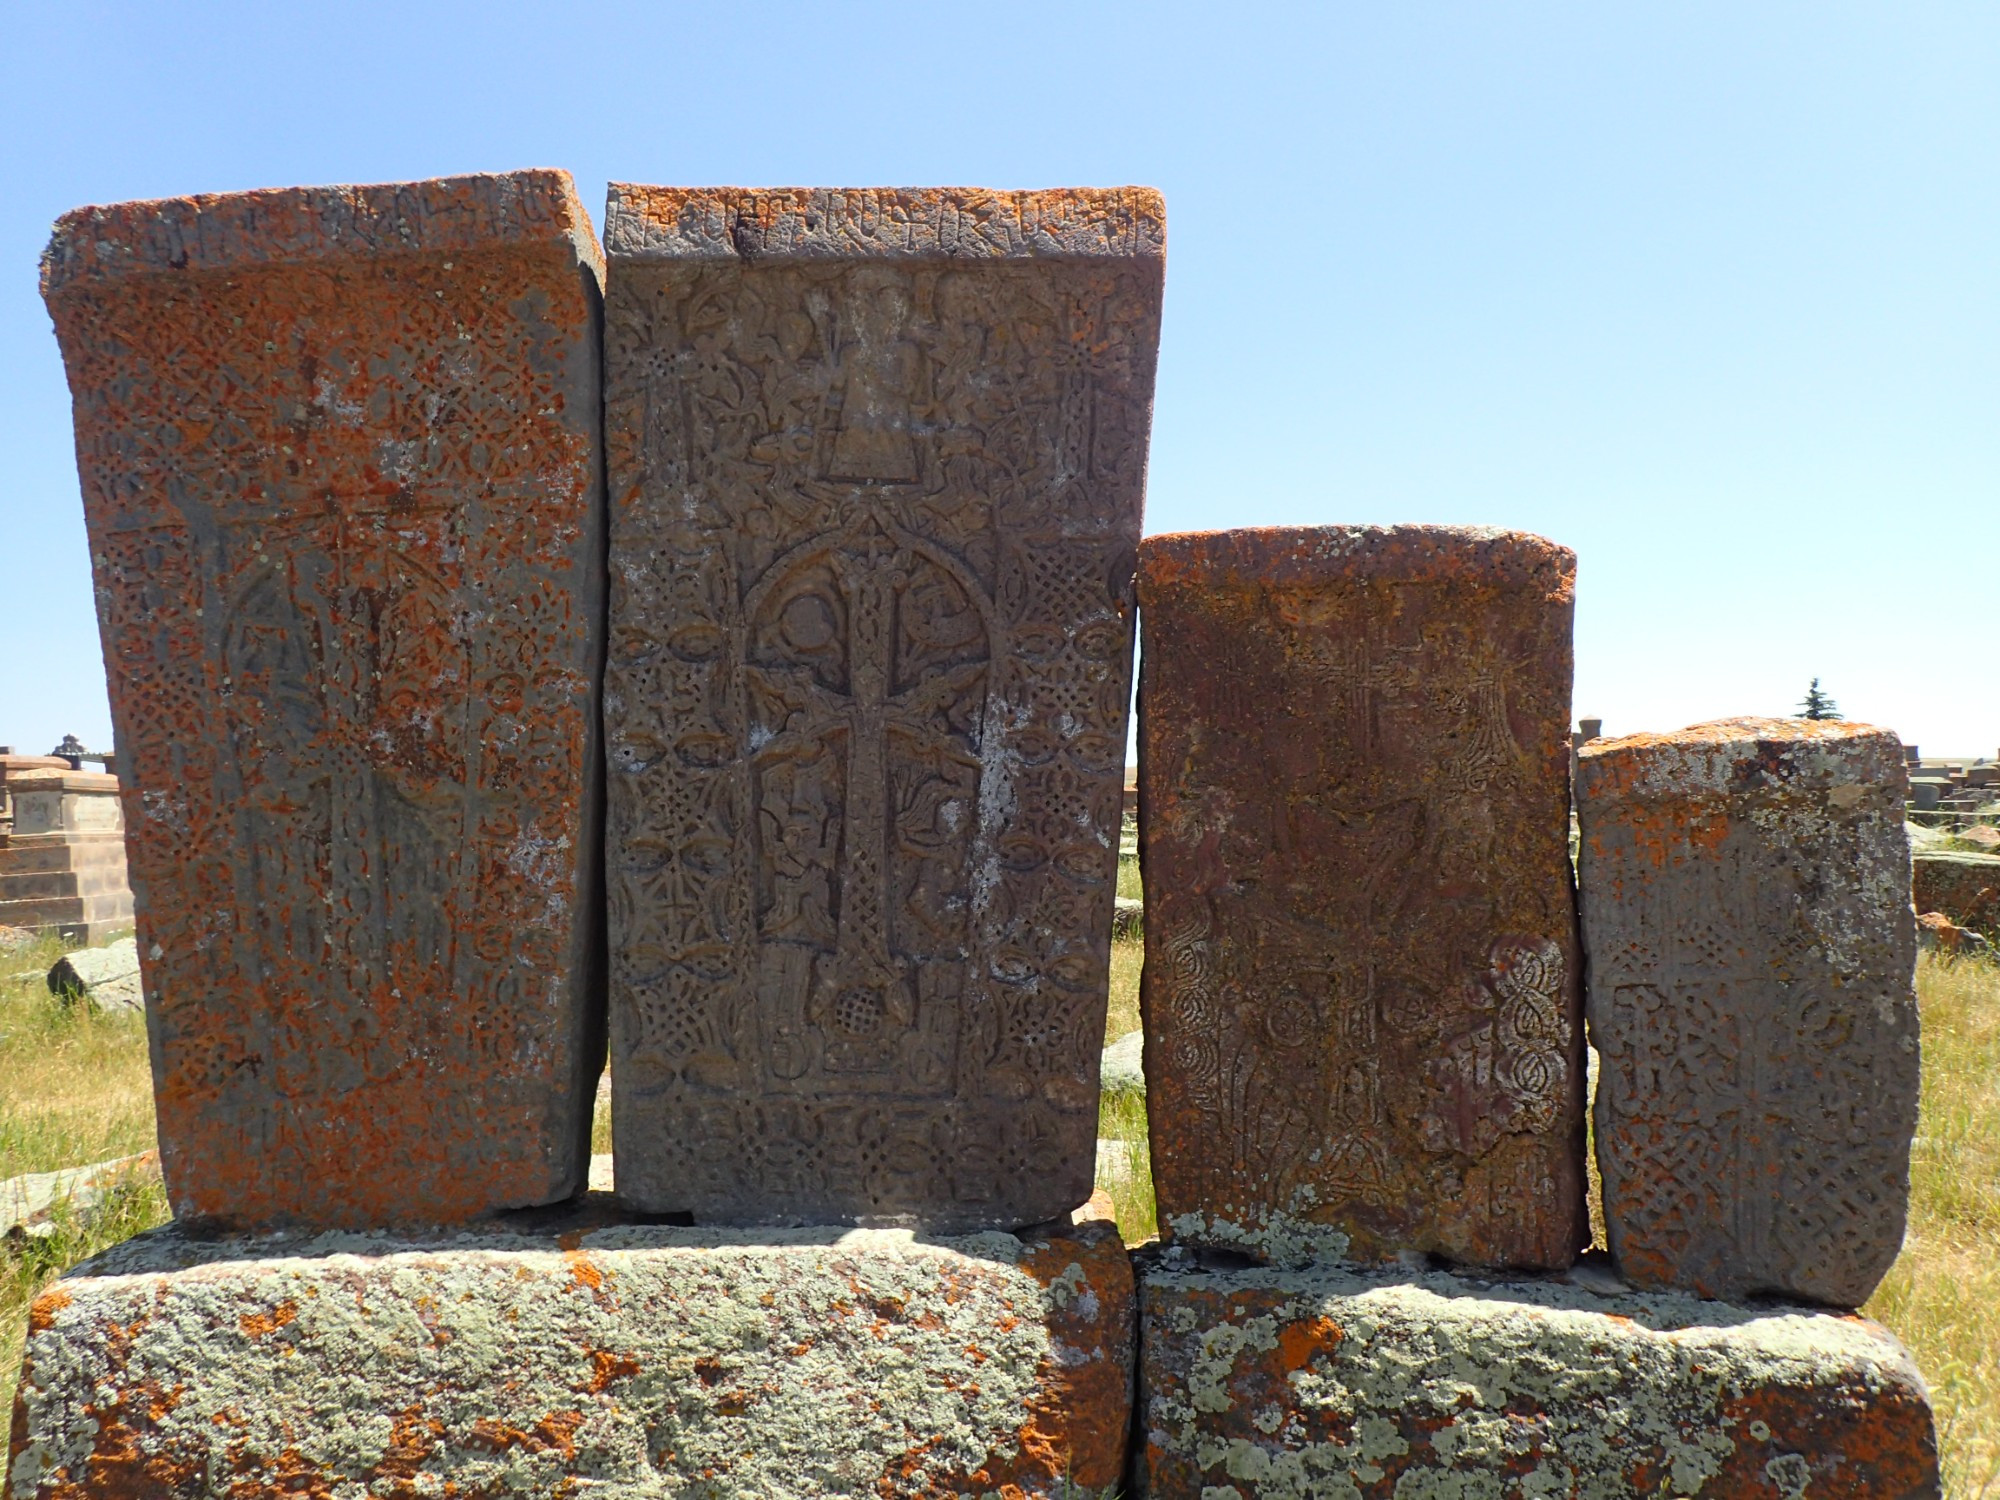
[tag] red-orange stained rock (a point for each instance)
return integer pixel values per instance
(1444, 1386)
(1746, 915)
(340, 461)
(796, 1363)
(1360, 994)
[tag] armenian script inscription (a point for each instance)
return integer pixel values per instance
(1746, 911)
(340, 467)
(877, 464)
(1362, 1015)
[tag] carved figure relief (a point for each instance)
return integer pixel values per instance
(866, 706)
(1360, 952)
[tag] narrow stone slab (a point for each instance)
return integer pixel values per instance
(1363, 1028)
(628, 1361)
(877, 461)
(1747, 919)
(1261, 1384)
(340, 456)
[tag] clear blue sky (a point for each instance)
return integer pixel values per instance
(1709, 292)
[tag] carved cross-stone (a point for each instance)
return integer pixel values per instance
(1362, 1015)
(1746, 918)
(877, 460)
(340, 452)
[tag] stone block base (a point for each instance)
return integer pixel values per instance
(1259, 1384)
(626, 1360)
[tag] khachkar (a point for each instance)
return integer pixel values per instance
(876, 465)
(1362, 1017)
(341, 471)
(1746, 913)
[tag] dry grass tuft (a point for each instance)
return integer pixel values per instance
(1942, 1297)
(78, 1090)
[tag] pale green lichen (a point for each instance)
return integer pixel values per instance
(1274, 1236)
(653, 1361)
(1524, 1389)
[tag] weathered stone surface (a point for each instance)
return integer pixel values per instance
(622, 1361)
(1965, 887)
(107, 978)
(1261, 1384)
(1123, 1070)
(35, 1203)
(340, 452)
(877, 462)
(1747, 925)
(1363, 1030)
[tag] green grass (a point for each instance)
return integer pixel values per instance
(1942, 1297)
(77, 1090)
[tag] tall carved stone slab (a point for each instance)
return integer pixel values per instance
(1746, 919)
(340, 452)
(1363, 1028)
(877, 464)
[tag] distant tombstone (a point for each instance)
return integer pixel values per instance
(340, 454)
(1363, 1029)
(1746, 916)
(876, 462)
(62, 852)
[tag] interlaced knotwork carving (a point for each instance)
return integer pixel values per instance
(1750, 1001)
(872, 545)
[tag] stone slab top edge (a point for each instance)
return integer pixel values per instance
(220, 232)
(1442, 1297)
(43, 779)
(591, 1223)
(1263, 557)
(644, 223)
(1746, 755)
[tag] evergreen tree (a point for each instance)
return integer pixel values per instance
(1817, 705)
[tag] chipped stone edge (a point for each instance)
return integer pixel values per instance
(216, 232)
(1728, 757)
(646, 223)
(1267, 557)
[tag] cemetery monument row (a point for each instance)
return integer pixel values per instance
(341, 472)
(1363, 1021)
(876, 470)
(1746, 908)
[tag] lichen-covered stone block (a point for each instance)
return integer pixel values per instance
(1747, 927)
(876, 463)
(1362, 1015)
(630, 1361)
(1265, 1384)
(1964, 886)
(341, 461)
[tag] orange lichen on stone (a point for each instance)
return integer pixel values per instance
(339, 450)
(481, 1364)
(1446, 1385)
